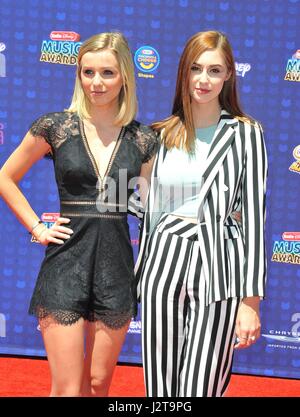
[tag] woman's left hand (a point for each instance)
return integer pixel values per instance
(247, 326)
(237, 215)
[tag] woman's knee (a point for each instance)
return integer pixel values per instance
(100, 383)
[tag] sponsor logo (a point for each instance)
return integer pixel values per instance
(291, 236)
(1, 133)
(287, 250)
(288, 339)
(48, 219)
(241, 68)
(147, 60)
(135, 327)
(295, 167)
(2, 60)
(64, 36)
(2, 325)
(293, 67)
(62, 48)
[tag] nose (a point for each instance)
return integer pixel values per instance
(97, 80)
(203, 78)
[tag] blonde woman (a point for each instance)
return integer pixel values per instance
(84, 297)
(201, 272)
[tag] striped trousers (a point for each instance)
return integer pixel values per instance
(187, 347)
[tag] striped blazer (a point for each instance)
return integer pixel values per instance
(234, 179)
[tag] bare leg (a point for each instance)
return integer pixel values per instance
(65, 351)
(103, 346)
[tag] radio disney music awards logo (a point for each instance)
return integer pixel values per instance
(62, 48)
(293, 67)
(241, 68)
(287, 250)
(147, 60)
(2, 60)
(1, 133)
(295, 167)
(285, 339)
(48, 219)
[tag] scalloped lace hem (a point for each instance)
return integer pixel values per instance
(111, 319)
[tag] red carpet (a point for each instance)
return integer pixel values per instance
(21, 377)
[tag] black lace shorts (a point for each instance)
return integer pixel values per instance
(90, 276)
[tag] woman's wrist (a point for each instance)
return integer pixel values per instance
(39, 230)
(252, 301)
(35, 225)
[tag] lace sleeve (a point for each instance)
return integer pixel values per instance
(56, 128)
(146, 140)
(43, 127)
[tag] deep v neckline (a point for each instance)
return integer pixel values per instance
(101, 179)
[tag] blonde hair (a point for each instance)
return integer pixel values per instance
(117, 43)
(179, 129)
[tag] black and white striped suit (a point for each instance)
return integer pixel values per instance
(225, 262)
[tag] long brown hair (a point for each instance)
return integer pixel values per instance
(179, 128)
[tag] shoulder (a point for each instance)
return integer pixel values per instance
(250, 130)
(141, 129)
(144, 137)
(53, 126)
(54, 117)
(252, 136)
(46, 122)
(140, 133)
(244, 121)
(249, 122)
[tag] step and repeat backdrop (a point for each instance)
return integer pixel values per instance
(39, 42)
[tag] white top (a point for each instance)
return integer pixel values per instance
(180, 178)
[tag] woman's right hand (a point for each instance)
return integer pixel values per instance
(55, 234)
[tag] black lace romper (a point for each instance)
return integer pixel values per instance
(91, 275)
